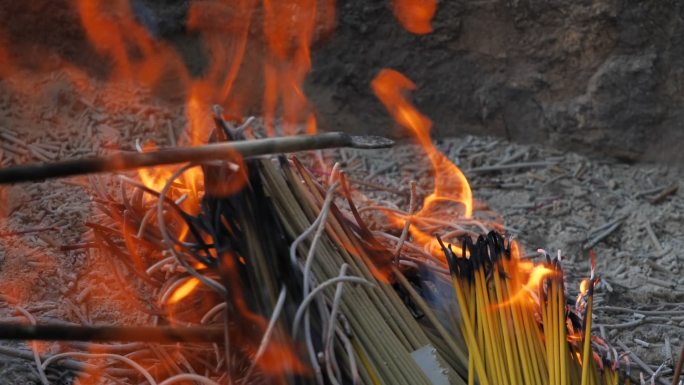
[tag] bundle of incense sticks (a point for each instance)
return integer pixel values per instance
(515, 320)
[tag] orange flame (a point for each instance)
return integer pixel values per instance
(450, 183)
(584, 287)
(184, 290)
(116, 34)
(537, 274)
(154, 178)
(523, 271)
(415, 15)
(289, 28)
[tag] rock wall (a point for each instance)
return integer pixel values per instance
(596, 76)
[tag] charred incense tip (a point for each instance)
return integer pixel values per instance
(370, 142)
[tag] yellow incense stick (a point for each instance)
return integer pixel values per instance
(586, 352)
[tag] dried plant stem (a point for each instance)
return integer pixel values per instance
(267, 334)
(664, 194)
(407, 223)
(34, 346)
(188, 377)
(128, 361)
(320, 226)
(169, 242)
(370, 312)
(444, 334)
(328, 346)
(599, 237)
(307, 300)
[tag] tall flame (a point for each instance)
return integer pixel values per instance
(450, 183)
(112, 29)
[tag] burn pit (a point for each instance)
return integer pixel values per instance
(69, 258)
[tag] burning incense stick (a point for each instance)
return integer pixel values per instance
(586, 350)
(506, 342)
(215, 151)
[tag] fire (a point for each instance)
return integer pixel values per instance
(523, 270)
(586, 283)
(450, 183)
(537, 274)
(184, 290)
(113, 31)
(584, 287)
(289, 28)
(415, 15)
(157, 177)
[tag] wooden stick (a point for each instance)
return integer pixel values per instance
(17, 331)
(678, 368)
(215, 151)
(664, 194)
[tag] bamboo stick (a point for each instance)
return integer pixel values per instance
(214, 151)
(14, 331)
(587, 358)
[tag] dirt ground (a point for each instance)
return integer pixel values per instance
(547, 198)
(46, 264)
(592, 76)
(562, 201)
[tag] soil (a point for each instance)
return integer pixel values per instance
(47, 263)
(562, 205)
(599, 78)
(591, 76)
